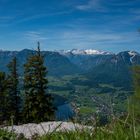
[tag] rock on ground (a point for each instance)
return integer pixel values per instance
(28, 130)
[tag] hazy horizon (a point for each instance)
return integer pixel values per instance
(57, 50)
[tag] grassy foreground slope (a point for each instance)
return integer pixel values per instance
(128, 129)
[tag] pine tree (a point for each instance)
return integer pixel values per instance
(3, 98)
(13, 92)
(38, 105)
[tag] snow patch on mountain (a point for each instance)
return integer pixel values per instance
(132, 55)
(84, 52)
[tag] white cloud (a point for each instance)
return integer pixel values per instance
(135, 11)
(88, 39)
(34, 36)
(6, 19)
(42, 15)
(92, 4)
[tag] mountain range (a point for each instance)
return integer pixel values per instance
(97, 66)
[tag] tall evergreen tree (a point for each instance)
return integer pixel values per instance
(13, 92)
(3, 98)
(38, 105)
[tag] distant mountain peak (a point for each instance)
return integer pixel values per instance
(133, 53)
(130, 53)
(131, 56)
(84, 52)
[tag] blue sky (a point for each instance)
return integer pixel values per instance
(110, 25)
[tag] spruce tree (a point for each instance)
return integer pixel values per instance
(13, 92)
(38, 105)
(3, 98)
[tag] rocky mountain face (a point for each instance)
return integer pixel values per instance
(116, 70)
(57, 64)
(108, 68)
(98, 66)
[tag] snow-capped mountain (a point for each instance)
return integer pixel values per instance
(97, 66)
(84, 52)
(132, 55)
